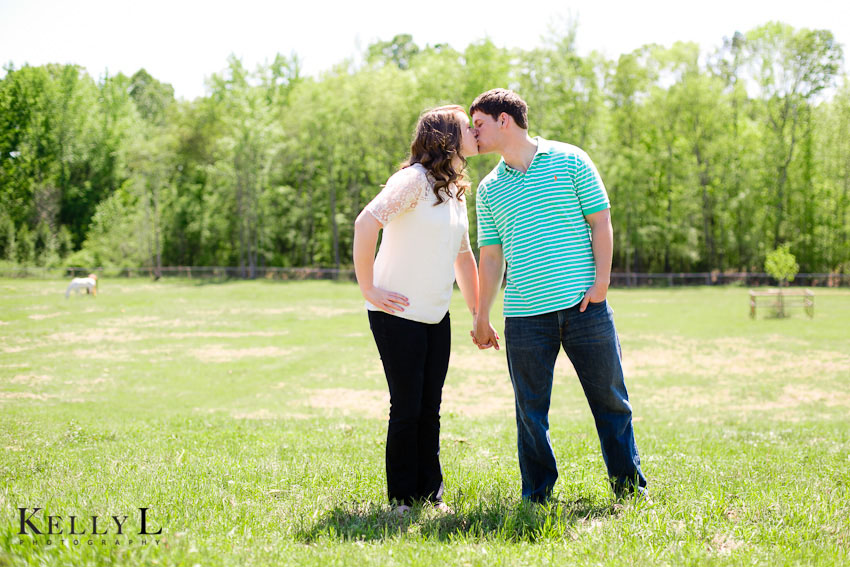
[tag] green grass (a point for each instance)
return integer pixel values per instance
(250, 419)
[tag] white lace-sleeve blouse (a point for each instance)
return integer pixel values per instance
(420, 243)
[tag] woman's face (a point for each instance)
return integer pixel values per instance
(468, 143)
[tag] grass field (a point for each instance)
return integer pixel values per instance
(249, 418)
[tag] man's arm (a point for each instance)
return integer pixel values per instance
(491, 270)
(603, 251)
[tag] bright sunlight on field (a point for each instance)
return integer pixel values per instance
(249, 420)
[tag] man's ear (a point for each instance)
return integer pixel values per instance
(503, 119)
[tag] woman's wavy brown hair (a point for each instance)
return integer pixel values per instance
(436, 141)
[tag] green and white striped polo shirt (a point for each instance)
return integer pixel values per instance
(538, 218)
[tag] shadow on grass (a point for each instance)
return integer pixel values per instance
(504, 521)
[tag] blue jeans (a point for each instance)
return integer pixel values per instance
(591, 343)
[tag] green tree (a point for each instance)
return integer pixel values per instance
(791, 67)
(782, 265)
(399, 51)
(628, 168)
(831, 147)
(24, 246)
(562, 90)
(151, 97)
(7, 238)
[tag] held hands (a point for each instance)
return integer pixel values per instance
(594, 294)
(484, 335)
(387, 301)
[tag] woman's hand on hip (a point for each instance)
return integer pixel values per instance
(387, 301)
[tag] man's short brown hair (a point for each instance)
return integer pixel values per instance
(496, 101)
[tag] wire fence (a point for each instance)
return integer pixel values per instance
(618, 279)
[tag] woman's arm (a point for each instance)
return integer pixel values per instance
(466, 274)
(366, 229)
(491, 272)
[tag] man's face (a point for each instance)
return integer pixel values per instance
(487, 132)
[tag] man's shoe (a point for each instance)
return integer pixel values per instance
(636, 494)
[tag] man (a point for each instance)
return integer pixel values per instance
(545, 211)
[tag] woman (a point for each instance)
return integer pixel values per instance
(408, 287)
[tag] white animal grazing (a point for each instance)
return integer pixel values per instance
(89, 284)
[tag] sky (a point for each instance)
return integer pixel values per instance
(183, 42)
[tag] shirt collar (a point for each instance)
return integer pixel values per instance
(544, 146)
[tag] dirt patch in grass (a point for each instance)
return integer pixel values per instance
(327, 312)
(228, 334)
(679, 397)
(723, 544)
(477, 397)
(368, 403)
(478, 384)
(220, 353)
(205, 312)
(258, 414)
(134, 321)
(478, 362)
(480, 396)
(40, 316)
(88, 385)
(25, 396)
(152, 322)
(729, 358)
(94, 335)
(96, 354)
(304, 312)
(495, 364)
(31, 379)
(794, 396)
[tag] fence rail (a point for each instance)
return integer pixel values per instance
(618, 279)
(189, 272)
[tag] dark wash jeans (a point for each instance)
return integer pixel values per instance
(591, 343)
(415, 358)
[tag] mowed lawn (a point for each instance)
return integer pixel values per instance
(249, 418)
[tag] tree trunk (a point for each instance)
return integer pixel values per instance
(156, 228)
(707, 210)
(334, 228)
(240, 220)
(669, 207)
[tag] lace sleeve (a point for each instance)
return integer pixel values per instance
(464, 244)
(404, 189)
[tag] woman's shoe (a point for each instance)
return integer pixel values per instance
(401, 510)
(442, 507)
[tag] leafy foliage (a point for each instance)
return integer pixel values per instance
(782, 265)
(710, 159)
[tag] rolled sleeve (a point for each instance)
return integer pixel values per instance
(487, 233)
(589, 187)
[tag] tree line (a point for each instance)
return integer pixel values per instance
(711, 159)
